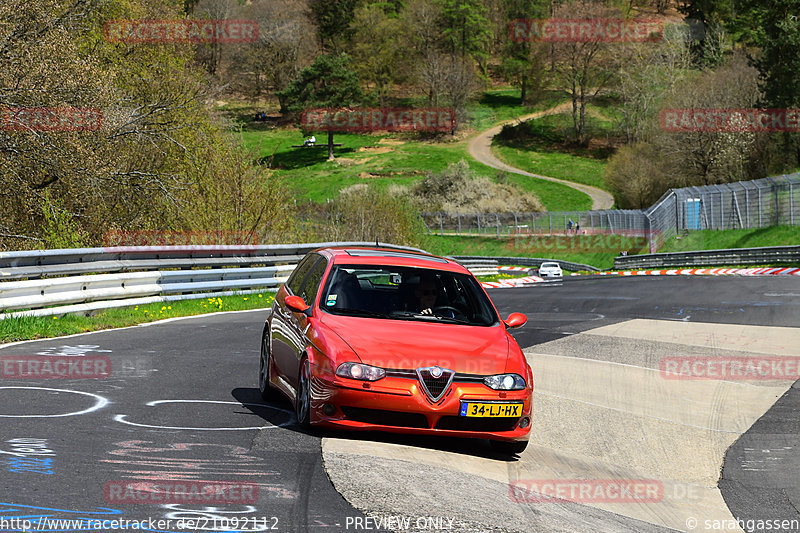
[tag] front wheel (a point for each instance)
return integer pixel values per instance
(509, 447)
(303, 401)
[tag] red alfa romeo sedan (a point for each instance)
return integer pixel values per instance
(390, 340)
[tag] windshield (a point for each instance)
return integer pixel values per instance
(406, 293)
(549, 265)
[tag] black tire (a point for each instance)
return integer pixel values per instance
(302, 405)
(509, 448)
(264, 385)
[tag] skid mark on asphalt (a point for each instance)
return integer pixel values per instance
(596, 420)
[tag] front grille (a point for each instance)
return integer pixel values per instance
(435, 387)
(468, 423)
(385, 418)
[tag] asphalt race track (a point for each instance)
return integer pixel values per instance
(181, 403)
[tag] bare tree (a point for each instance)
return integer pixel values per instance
(460, 82)
(284, 47)
(584, 68)
(210, 54)
(419, 21)
(648, 73)
(707, 157)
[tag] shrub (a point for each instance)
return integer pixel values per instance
(458, 190)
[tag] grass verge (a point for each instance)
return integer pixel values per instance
(27, 328)
(734, 238)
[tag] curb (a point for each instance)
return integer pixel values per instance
(785, 271)
(511, 283)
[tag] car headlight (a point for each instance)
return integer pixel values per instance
(505, 382)
(360, 371)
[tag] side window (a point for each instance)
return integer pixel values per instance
(311, 286)
(299, 275)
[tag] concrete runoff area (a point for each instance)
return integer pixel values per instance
(603, 410)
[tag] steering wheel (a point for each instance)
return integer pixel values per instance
(453, 312)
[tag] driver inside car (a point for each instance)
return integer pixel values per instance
(426, 294)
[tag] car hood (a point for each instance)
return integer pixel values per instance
(410, 344)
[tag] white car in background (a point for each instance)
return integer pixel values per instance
(550, 270)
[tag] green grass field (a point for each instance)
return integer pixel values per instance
(499, 105)
(386, 159)
(734, 238)
(541, 147)
(24, 328)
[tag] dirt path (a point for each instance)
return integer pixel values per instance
(480, 147)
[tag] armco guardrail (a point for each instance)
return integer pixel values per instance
(467, 260)
(50, 282)
(733, 256)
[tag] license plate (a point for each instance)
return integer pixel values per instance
(507, 410)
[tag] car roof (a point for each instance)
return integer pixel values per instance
(550, 264)
(358, 255)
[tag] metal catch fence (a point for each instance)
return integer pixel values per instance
(738, 205)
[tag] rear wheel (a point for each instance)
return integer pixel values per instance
(509, 447)
(303, 402)
(264, 385)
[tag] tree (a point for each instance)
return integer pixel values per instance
(466, 28)
(210, 55)
(709, 157)
(584, 68)
(333, 19)
(779, 40)
(422, 37)
(154, 150)
(640, 173)
(708, 16)
(374, 47)
(647, 74)
(282, 50)
(327, 83)
(523, 62)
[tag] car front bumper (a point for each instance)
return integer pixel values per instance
(399, 405)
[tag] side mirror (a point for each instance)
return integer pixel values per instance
(515, 320)
(298, 305)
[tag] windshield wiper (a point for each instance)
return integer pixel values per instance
(454, 320)
(359, 312)
(422, 316)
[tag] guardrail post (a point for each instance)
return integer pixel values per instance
(459, 223)
(497, 217)
(441, 224)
